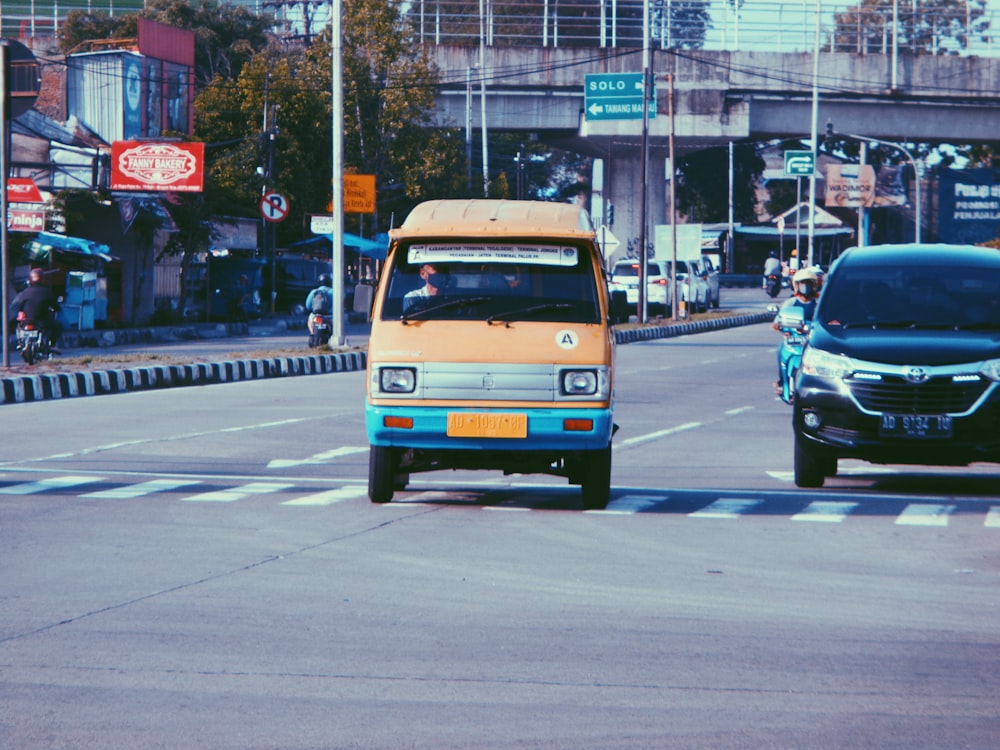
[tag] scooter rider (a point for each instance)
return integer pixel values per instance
(320, 300)
(772, 265)
(39, 305)
(805, 286)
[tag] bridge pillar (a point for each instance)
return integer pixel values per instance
(623, 187)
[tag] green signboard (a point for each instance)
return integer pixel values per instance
(614, 96)
(799, 163)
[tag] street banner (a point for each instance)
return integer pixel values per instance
(850, 185)
(158, 167)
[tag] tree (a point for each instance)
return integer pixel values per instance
(934, 27)
(226, 36)
(700, 175)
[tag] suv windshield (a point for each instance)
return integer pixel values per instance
(494, 283)
(917, 297)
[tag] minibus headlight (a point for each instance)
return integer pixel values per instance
(825, 365)
(397, 379)
(579, 382)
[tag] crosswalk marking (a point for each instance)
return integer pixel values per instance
(825, 512)
(330, 496)
(43, 485)
(318, 458)
(628, 504)
(131, 491)
(993, 517)
(233, 494)
(728, 508)
(925, 514)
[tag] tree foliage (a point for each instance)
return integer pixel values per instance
(226, 36)
(698, 184)
(933, 27)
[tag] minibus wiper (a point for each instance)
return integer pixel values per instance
(458, 302)
(533, 309)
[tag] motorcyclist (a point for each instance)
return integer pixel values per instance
(39, 306)
(806, 285)
(772, 265)
(319, 300)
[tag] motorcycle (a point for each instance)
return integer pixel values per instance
(795, 331)
(772, 284)
(32, 340)
(322, 329)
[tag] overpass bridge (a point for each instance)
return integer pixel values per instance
(718, 97)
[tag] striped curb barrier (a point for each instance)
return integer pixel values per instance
(648, 333)
(46, 386)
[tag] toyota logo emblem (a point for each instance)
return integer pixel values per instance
(916, 375)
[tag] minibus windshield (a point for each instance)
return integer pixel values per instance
(492, 282)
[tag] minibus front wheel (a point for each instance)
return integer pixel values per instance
(595, 484)
(383, 462)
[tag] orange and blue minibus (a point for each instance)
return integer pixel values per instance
(491, 347)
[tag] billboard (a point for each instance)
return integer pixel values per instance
(157, 167)
(968, 205)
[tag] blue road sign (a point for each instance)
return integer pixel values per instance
(614, 96)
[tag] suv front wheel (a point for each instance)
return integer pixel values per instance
(812, 466)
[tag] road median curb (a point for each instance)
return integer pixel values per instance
(45, 386)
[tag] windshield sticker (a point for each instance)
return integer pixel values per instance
(542, 255)
(567, 339)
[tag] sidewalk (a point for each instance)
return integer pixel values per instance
(210, 353)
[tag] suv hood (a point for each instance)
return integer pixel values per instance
(908, 347)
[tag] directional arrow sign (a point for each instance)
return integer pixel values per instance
(614, 96)
(799, 163)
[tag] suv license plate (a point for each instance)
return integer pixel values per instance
(915, 426)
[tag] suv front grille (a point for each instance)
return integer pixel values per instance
(895, 395)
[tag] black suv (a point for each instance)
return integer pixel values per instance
(903, 361)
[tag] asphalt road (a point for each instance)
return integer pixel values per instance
(201, 568)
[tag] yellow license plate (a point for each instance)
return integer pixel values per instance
(488, 425)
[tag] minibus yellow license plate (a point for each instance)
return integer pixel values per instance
(488, 425)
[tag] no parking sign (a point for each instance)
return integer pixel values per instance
(273, 207)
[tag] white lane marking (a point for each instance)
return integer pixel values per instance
(629, 504)
(726, 508)
(233, 494)
(925, 514)
(993, 517)
(330, 496)
(825, 512)
(43, 485)
(318, 458)
(639, 439)
(738, 410)
(142, 488)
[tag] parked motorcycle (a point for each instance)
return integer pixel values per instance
(322, 329)
(32, 340)
(795, 331)
(772, 284)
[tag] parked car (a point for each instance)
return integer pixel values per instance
(902, 363)
(625, 276)
(693, 287)
(710, 272)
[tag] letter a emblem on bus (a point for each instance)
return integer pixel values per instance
(567, 339)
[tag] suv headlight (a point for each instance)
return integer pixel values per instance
(991, 369)
(825, 365)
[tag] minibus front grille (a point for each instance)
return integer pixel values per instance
(494, 382)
